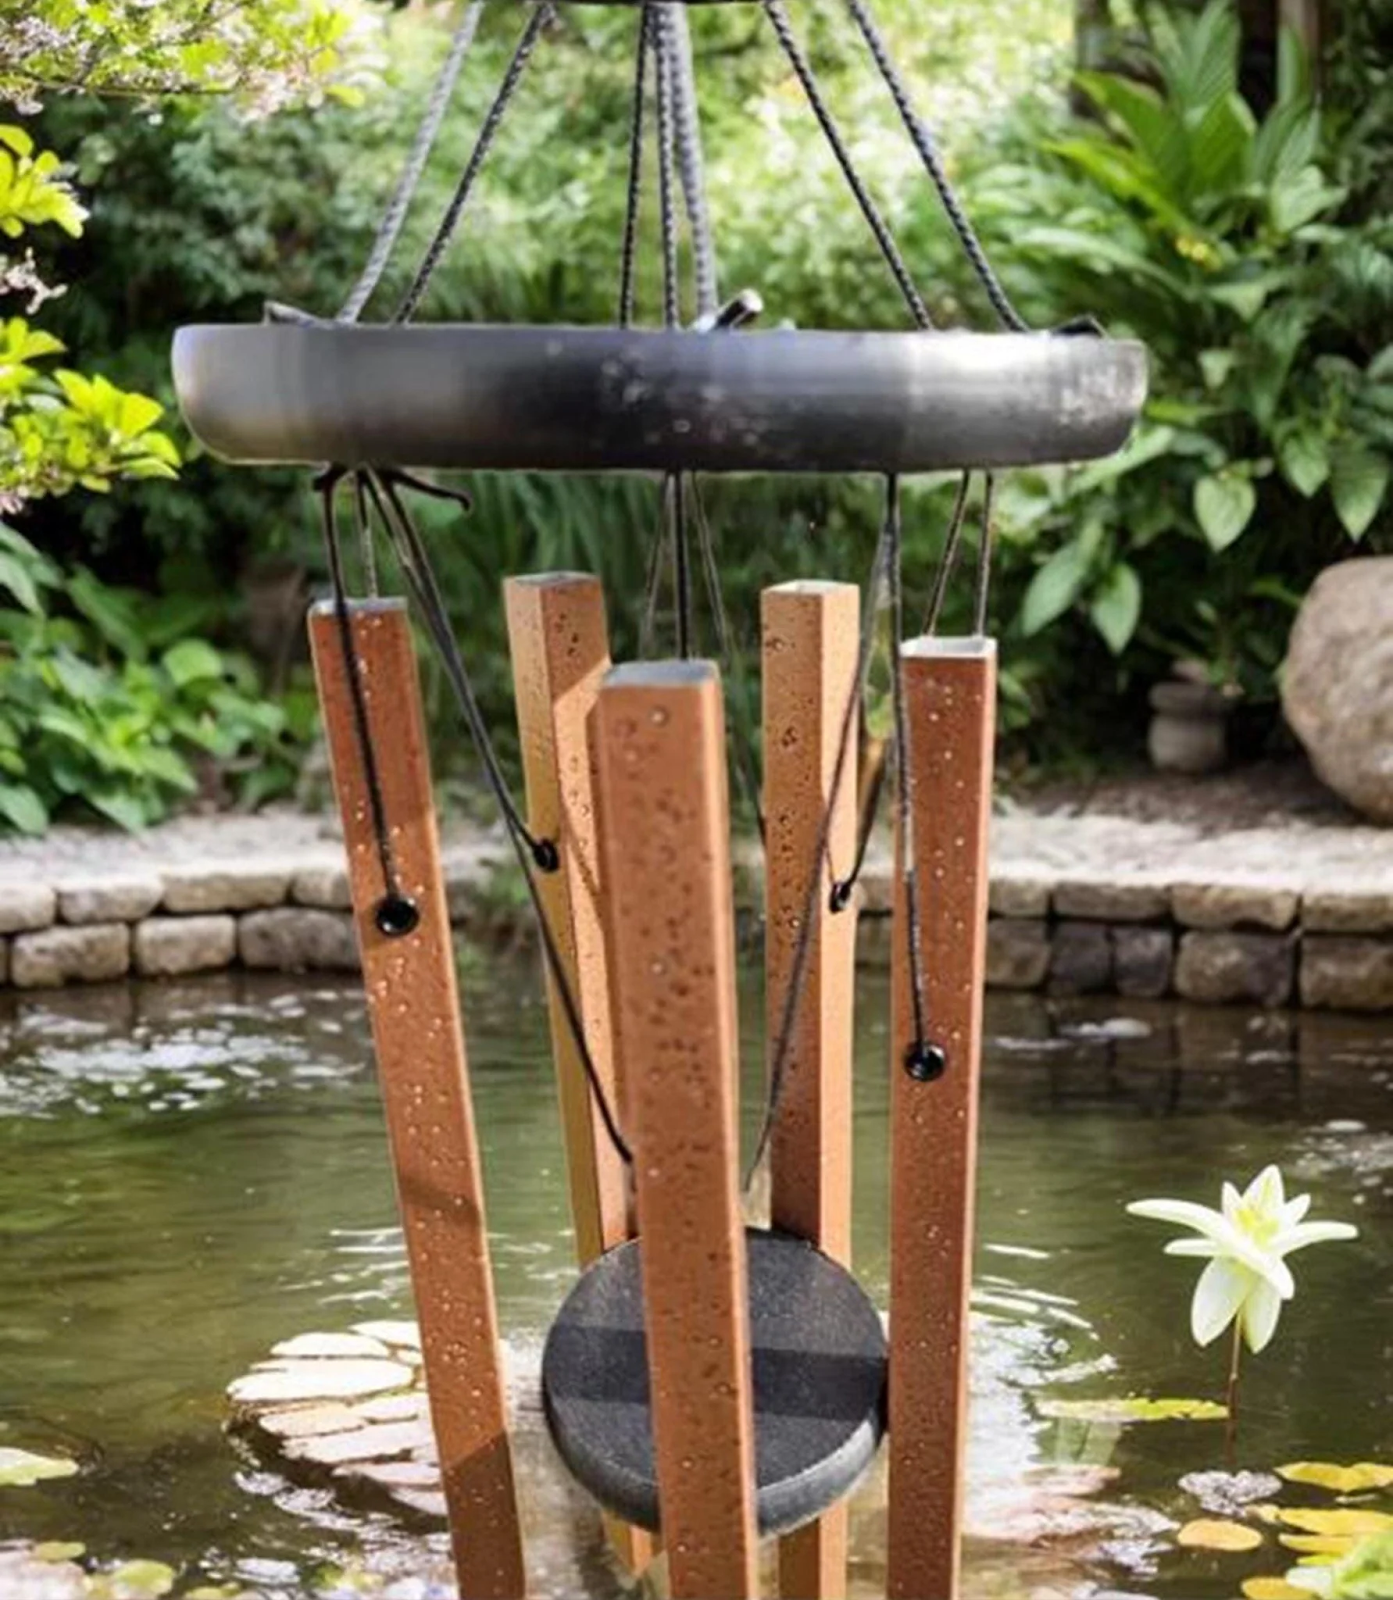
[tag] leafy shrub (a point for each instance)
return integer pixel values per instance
(1225, 243)
(110, 699)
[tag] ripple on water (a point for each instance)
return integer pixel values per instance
(191, 1174)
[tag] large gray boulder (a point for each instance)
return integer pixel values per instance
(1337, 687)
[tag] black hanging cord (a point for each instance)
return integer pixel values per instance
(923, 141)
(389, 229)
(946, 564)
(396, 913)
(367, 549)
(415, 564)
(691, 163)
(984, 559)
(802, 67)
(948, 561)
(648, 628)
(629, 253)
(492, 122)
(664, 52)
(923, 1060)
(746, 766)
(798, 973)
(383, 489)
(675, 491)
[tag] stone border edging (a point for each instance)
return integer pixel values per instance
(1221, 922)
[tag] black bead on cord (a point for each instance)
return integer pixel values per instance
(397, 914)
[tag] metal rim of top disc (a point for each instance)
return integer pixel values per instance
(475, 397)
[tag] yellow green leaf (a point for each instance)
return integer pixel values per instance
(1345, 1523)
(1343, 1480)
(56, 1550)
(1209, 1533)
(1273, 1589)
(1134, 1408)
(1319, 1544)
(19, 1469)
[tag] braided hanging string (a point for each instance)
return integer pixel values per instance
(411, 301)
(533, 855)
(389, 229)
(383, 489)
(395, 912)
(629, 252)
(924, 143)
(982, 594)
(691, 164)
(947, 563)
(782, 1058)
(803, 70)
(667, 48)
(746, 763)
(919, 1057)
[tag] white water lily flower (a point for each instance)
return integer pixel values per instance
(1246, 1244)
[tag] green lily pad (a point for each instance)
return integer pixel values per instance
(132, 1580)
(1343, 1480)
(19, 1469)
(56, 1550)
(1133, 1408)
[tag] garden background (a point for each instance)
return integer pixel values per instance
(1223, 199)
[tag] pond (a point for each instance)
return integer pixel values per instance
(191, 1173)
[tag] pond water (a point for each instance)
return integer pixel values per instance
(190, 1173)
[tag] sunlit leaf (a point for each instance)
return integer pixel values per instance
(1343, 1480)
(1134, 1408)
(20, 1469)
(1273, 1589)
(1319, 1544)
(1209, 1533)
(1343, 1522)
(133, 1580)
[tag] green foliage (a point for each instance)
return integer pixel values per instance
(1366, 1573)
(109, 698)
(266, 52)
(59, 430)
(1228, 244)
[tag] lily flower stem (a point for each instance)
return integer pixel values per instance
(1235, 1364)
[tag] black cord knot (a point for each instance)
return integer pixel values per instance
(546, 856)
(925, 1062)
(396, 916)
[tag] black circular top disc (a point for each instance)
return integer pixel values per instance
(561, 399)
(819, 1360)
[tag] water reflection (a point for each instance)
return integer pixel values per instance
(190, 1173)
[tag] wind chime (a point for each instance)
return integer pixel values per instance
(707, 1384)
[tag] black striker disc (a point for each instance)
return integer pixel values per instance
(819, 1360)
